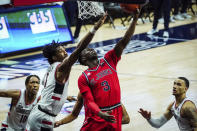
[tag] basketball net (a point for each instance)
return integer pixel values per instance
(88, 9)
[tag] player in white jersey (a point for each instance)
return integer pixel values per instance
(183, 109)
(183, 123)
(54, 94)
(21, 104)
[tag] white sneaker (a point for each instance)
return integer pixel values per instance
(185, 15)
(161, 20)
(165, 34)
(172, 19)
(152, 31)
(178, 17)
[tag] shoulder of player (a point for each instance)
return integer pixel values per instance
(62, 72)
(110, 52)
(82, 77)
(63, 66)
(188, 109)
(188, 105)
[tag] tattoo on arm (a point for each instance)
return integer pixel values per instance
(190, 113)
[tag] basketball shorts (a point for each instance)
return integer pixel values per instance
(93, 125)
(39, 121)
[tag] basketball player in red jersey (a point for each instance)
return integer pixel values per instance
(99, 86)
(77, 108)
(54, 93)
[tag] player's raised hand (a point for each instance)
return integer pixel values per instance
(101, 21)
(145, 114)
(106, 116)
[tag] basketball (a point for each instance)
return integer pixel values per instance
(129, 8)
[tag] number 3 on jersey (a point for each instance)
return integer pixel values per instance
(106, 86)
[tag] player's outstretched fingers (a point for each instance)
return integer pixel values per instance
(57, 124)
(71, 98)
(145, 113)
(111, 118)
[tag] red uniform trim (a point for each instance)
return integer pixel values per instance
(55, 98)
(47, 122)
(4, 125)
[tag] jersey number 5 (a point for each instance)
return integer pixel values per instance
(106, 86)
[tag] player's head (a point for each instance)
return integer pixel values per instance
(54, 52)
(88, 57)
(181, 84)
(32, 84)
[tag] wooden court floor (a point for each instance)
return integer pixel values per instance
(146, 78)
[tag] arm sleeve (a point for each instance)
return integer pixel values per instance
(87, 95)
(157, 123)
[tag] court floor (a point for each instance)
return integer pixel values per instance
(146, 75)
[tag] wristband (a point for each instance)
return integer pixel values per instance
(93, 31)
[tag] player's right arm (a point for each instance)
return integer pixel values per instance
(89, 100)
(168, 114)
(158, 122)
(75, 112)
(68, 62)
(189, 111)
(120, 46)
(10, 93)
(14, 94)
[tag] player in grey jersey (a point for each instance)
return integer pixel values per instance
(183, 109)
(21, 104)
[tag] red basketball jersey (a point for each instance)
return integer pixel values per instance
(103, 81)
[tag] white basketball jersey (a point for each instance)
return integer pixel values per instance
(54, 94)
(17, 117)
(184, 124)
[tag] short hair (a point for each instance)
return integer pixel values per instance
(29, 77)
(50, 50)
(186, 81)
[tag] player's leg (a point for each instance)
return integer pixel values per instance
(166, 10)
(39, 121)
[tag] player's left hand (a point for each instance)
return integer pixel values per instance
(106, 116)
(71, 98)
(101, 21)
(57, 124)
